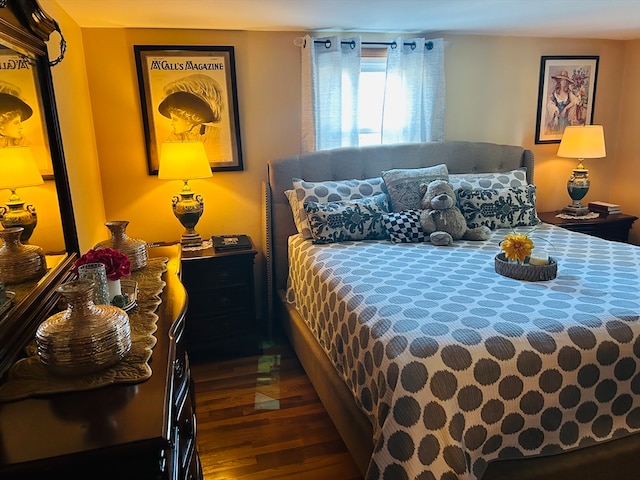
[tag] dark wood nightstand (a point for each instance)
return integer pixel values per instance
(610, 227)
(221, 319)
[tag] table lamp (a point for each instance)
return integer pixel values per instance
(185, 161)
(18, 169)
(580, 142)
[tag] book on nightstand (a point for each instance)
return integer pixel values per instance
(225, 243)
(604, 207)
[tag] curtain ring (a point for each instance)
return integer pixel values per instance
(429, 45)
(393, 45)
(413, 45)
(327, 43)
(352, 44)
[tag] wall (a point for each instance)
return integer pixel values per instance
(493, 96)
(625, 189)
(78, 138)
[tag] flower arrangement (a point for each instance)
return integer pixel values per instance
(517, 246)
(115, 262)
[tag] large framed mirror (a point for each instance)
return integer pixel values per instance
(26, 87)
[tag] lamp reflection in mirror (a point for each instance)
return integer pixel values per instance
(581, 142)
(185, 161)
(18, 169)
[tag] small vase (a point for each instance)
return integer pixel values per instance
(114, 288)
(84, 338)
(135, 250)
(19, 262)
(98, 274)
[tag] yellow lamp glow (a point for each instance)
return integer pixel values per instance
(185, 161)
(581, 142)
(19, 169)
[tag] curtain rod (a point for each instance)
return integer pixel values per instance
(327, 43)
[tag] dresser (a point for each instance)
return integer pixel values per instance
(221, 321)
(141, 431)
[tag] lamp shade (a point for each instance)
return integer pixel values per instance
(183, 161)
(582, 142)
(19, 168)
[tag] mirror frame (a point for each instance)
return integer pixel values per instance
(25, 27)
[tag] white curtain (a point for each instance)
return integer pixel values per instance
(414, 104)
(330, 79)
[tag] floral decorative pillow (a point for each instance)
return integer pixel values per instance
(404, 227)
(330, 191)
(513, 178)
(359, 219)
(403, 184)
(499, 208)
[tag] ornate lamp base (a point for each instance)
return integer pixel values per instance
(577, 187)
(15, 214)
(188, 209)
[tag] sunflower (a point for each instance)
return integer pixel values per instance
(516, 246)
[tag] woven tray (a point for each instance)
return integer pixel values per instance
(530, 273)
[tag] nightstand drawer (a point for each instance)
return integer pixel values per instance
(218, 301)
(211, 274)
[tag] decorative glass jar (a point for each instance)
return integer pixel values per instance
(84, 338)
(19, 262)
(135, 250)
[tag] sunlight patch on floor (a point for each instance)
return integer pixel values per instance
(267, 396)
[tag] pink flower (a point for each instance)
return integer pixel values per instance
(115, 262)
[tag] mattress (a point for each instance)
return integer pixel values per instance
(456, 365)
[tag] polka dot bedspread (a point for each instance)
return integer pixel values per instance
(456, 365)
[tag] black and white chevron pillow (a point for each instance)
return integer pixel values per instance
(404, 226)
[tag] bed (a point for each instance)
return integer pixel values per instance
(430, 364)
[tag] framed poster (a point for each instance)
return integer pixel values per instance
(22, 122)
(189, 94)
(566, 95)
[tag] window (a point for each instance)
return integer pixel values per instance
(371, 96)
(399, 89)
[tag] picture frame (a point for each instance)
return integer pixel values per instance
(578, 76)
(189, 93)
(20, 92)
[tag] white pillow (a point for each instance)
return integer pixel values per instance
(513, 178)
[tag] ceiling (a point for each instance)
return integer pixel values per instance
(605, 19)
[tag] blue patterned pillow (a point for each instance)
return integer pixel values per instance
(499, 208)
(329, 191)
(404, 227)
(358, 219)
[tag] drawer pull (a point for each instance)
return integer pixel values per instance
(223, 276)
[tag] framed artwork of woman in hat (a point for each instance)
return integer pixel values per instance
(566, 95)
(21, 121)
(189, 94)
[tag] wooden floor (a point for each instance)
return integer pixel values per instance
(260, 419)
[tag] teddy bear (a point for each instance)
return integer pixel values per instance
(442, 220)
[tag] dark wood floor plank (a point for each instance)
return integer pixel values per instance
(260, 419)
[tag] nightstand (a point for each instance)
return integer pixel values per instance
(221, 318)
(610, 227)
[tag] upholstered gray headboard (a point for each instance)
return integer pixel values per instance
(367, 162)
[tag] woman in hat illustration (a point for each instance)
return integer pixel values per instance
(13, 111)
(194, 106)
(561, 104)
